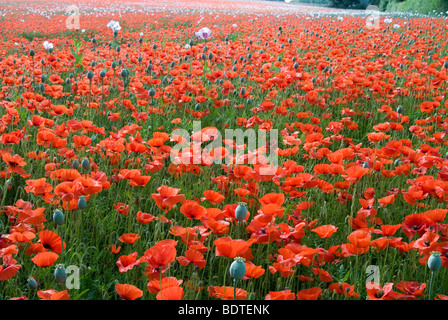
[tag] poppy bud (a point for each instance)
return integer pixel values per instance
(296, 65)
(241, 212)
(203, 56)
(85, 164)
(243, 91)
(114, 65)
(32, 53)
(191, 42)
(197, 107)
(154, 46)
(445, 64)
(210, 56)
(434, 261)
(400, 109)
(102, 73)
(365, 165)
(58, 217)
(60, 274)
(82, 202)
(32, 283)
(238, 268)
(152, 92)
(43, 78)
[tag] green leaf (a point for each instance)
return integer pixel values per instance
(81, 294)
(78, 58)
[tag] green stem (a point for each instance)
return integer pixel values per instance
(431, 283)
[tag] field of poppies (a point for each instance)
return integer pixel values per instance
(108, 191)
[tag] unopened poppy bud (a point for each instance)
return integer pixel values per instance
(32, 283)
(434, 261)
(238, 268)
(154, 46)
(203, 56)
(58, 217)
(400, 109)
(90, 75)
(445, 64)
(32, 53)
(243, 91)
(60, 274)
(85, 164)
(152, 92)
(191, 42)
(296, 65)
(241, 212)
(210, 55)
(82, 202)
(197, 107)
(102, 73)
(365, 165)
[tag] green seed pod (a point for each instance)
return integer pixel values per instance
(102, 73)
(241, 212)
(82, 203)
(90, 75)
(85, 164)
(154, 46)
(434, 261)
(32, 53)
(237, 268)
(60, 274)
(32, 283)
(152, 92)
(58, 217)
